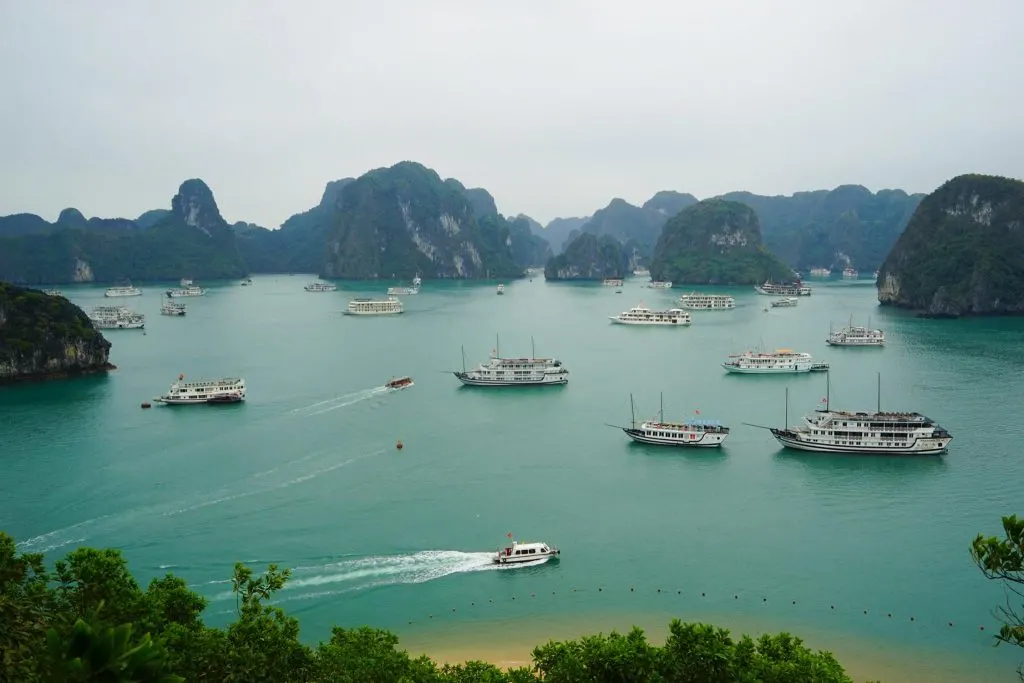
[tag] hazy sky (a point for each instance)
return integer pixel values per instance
(554, 106)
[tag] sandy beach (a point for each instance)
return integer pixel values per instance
(509, 643)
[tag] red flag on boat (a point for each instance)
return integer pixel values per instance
(697, 411)
(509, 534)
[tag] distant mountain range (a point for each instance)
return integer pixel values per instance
(405, 220)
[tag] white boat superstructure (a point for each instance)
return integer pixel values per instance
(797, 288)
(388, 306)
(850, 274)
(697, 301)
(172, 308)
(878, 432)
(189, 290)
(53, 292)
(116, 318)
(692, 433)
(660, 284)
(854, 335)
(785, 302)
(223, 390)
(779, 361)
(641, 315)
(612, 282)
(514, 372)
(403, 291)
(821, 272)
(642, 272)
(122, 291)
(246, 282)
(519, 553)
(501, 289)
(320, 287)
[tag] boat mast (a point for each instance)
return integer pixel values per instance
(463, 358)
(828, 389)
(661, 411)
(632, 410)
(533, 350)
(785, 425)
(878, 398)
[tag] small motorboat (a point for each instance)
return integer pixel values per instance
(501, 289)
(399, 383)
(519, 553)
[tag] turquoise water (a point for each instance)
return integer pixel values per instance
(306, 472)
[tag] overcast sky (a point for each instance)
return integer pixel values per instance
(554, 106)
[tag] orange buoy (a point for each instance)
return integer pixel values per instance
(147, 404)
(398, 445)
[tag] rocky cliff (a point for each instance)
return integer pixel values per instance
(588, 257)
(44, 336)
(715, 242)
(404, 220)
(962, 252)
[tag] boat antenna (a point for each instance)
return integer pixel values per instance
(785, 425)
(661, 411)
(632, 410)
(533, 350)
(878, 399)
(828, 389)
(463, 358)
(497, 346)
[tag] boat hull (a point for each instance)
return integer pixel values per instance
(619, 321)
(525, 559)
(471, 381)
(372, 312)
(208, 400)
(705, 440)
(768, 371)
(875, 344)
(920, 446)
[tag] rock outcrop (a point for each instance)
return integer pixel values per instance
(588, 257)
(404, 221)
(44, 337)
(962, 252)
(715, 242)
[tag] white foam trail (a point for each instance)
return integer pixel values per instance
(339, 401)
(363, 396)
(386, 570)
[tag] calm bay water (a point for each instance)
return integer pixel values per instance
(306, 473)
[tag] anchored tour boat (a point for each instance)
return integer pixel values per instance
(389, 306)
(320, 287)
(187, 288)
(53, 292)
(696, 301)
(757, 362)
(878, 432)
(659, 284)
(172, 308)
(514, 372)
(694, 433)
(122, 291)
(396, 291)
(519, 552)
(785, 302)
(820, 272)
(640, 315)
(116, 318)
(209, 391)
(853, 335)
(501, 289)
(796, 288)
(399, 383)
(850, 274)
(612, 282)
(246, 282)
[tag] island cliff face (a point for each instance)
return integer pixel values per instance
(715, 242)
(404, 221)
(588, 257)
(43, 337)
(962, 252)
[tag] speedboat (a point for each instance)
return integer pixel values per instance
(518, 553)
(399, 383)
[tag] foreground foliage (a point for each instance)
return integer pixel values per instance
(89, 620)
(1002, 559)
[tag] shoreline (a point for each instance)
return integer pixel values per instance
(508, 643)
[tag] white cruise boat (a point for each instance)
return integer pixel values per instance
(785, 302)
(403, 291)
(780, 361)
(53, 292)
(172, 308)
(850, 274)
(821, 272)
(660, 284)
(640, 315)
(612, 282)
(208, 391)
(514, 372)
(797, 288)
(388, 306)
(519, 553)
(501, 289)
(642, 272)
(877, 432)
(122, 291)
(696, 301)
(116, 318)
(246, 282)
(320, 287)
(853, 335)
(691, 434)
(187, 290)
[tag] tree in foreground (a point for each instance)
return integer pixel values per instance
(90, 622)
(1002, 559)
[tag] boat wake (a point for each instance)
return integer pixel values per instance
(345, 400)
(308, 582)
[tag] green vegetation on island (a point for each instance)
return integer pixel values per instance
(962, 252)
(44, 336)
(89, 620)
(715, 242)
(589, 257)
